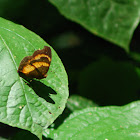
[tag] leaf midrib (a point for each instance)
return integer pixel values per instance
(22, 85)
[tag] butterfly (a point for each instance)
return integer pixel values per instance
(37, 65)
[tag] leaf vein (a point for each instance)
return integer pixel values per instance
(19, 77)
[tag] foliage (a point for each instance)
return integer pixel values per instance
(111, 20)
(32, 106)
(104, 74)
(101, 123)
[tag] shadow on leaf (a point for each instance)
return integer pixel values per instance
(39, 88)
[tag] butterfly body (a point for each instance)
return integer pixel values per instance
(37, 65)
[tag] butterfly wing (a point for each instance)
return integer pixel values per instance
(37, 65)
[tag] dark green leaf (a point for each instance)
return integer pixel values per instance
(105, 123)
(109, 82)
(113, 20)
(35, 106)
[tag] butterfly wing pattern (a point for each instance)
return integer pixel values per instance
(37, 65)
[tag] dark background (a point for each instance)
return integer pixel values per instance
(97, 69)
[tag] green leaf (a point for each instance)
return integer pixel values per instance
(76, 102)
(101, 123)
(35, 106)
(109, 82)
(109, 19)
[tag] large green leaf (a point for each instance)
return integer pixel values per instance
(101, 123)
(109, 82)
(35, 106)
(114, 20)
